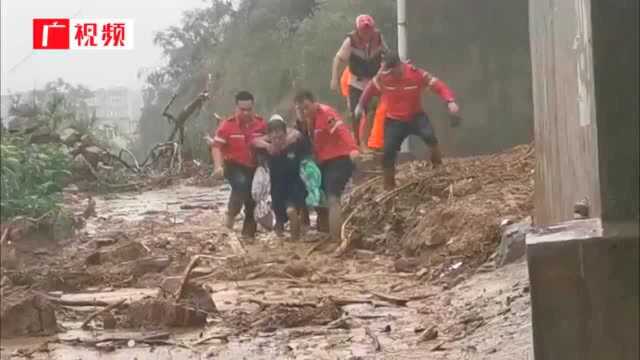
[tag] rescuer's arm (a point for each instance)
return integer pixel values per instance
(341, 57)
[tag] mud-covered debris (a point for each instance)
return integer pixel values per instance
(149, 265)
(159, 313)
(406, 264)
(193, 295)
(297, 269)
(513, 243)
(110, 238)
(429, 334)
(108, 321)
(25, 313)
(443, 214)
(126, 252)
(282, 316)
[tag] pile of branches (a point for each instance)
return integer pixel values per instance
(446, 214)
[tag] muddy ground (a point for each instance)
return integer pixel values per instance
(272, 298)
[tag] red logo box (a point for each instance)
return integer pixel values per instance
(50, 34)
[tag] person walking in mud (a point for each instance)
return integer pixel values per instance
(283, 149)
(334, 150)
(362, 51)
(401, 85)
(234, 158)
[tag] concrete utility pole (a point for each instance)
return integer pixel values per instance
(402, 45)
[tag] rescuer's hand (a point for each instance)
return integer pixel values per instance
(453, 107)
(354, 155)
(218, 172)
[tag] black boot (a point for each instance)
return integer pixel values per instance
(249, 228)
(322, 222)
(389, 179)
(279, 229)
(294, 223)
(233, 209)
(335, 219)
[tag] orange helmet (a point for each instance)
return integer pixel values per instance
(364, 22)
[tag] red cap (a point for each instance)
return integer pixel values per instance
(364, 22)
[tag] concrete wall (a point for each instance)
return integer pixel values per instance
(481, 49)
(564, 109)
(616, 62)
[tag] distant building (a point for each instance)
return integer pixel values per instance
(5, 101)
(112, 108)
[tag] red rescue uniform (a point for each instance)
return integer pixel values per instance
(403, 95)
(331, 137)
(234, 139)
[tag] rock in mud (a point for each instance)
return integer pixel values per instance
(297, 269)
(512, 244)
(69, 136)
(25, 313)
(126, 252)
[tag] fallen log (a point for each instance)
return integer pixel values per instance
(222, 337)
(390, 299)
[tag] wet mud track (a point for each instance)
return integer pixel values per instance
(274, 299)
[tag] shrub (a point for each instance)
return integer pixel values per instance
(32, 177)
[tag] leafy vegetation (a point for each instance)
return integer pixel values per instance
(32, 177)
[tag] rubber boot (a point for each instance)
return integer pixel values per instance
(304, 216)
(335, 219)
(322, 223)
(295, 224)
(279, 229)
(233, 209)
(249, 227)
(436, 156)
(389, 179)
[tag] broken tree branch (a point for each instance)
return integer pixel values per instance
(85, 323)
(374, 339)
(390, 299)
(185, 277)
(222, 337)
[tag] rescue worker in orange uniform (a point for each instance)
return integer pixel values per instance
(362, 50)
(376, 136)
(234, 157)
(400, 85)
(334, 151)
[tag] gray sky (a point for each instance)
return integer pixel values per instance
(94, 68)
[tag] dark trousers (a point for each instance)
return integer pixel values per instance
(335, 175)
(396, 131)
(285, 192)
(240, 178)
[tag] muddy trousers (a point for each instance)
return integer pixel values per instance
(396, 131)
(285, 193)
(335, 175)
(240, 178)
